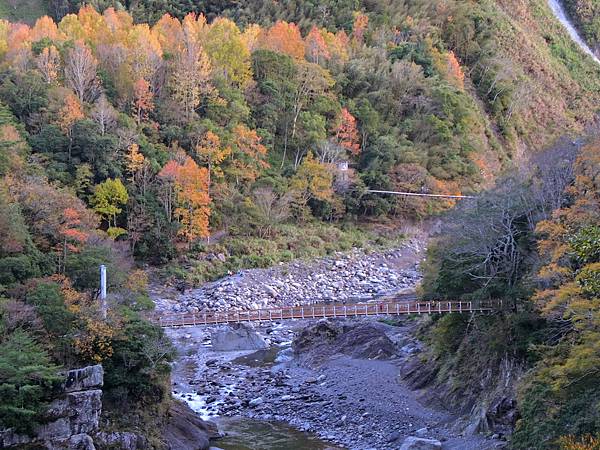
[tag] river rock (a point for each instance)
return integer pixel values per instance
(417, 443)
(255, 402)
(237, 337)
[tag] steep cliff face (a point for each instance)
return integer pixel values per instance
(71, 419)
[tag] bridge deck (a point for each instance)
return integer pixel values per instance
(323, 311)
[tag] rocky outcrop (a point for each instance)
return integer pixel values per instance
(237, 337)
(186, 431)
(123, 440)
(71, 418)
(317, 343)
(489, 408)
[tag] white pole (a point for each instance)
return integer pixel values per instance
(103, 291)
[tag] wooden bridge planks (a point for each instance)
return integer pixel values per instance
(324, 311)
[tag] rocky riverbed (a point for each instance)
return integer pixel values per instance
(339, 380)
(341, 277)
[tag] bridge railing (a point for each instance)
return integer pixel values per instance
(326, 311)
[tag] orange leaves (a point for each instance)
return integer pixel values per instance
(143, 100)
(346, 133)
(192, 197)
(454, 71)
(72, 235)
(45, 27)
(169, 33)
(169, 171)
(448, 67)
(284, 38)
(361, 22)
(316, 47)
(70, 113)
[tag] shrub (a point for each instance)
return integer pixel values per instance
(27, 380)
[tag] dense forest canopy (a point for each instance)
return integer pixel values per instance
(132, 131)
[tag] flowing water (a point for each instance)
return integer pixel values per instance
(248, 434)
(561, 15)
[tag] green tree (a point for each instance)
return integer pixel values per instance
(27, 379)
(108, 199)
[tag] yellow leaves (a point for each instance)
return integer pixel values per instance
(579, 443)
(191, 78)
(313, 180)
(210, 152)
(137, 281)
(250, 155)
(250, 36)
(95, 343)
(145, 52)
(135, 160)
(554, 274)
(74, 301)
(228, 53)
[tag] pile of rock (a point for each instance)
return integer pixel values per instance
(343, 277)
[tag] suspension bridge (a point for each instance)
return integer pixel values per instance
(321, 311)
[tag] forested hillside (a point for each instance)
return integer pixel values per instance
(130, 132)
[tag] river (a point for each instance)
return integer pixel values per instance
(559, 12)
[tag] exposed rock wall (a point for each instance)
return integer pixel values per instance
(71, 418)
(488, 408)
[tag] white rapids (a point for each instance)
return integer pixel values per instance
(561, 15)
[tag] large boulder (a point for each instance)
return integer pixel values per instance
(317, 343)
(237, 337)
(186, 431)
(417, 443)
